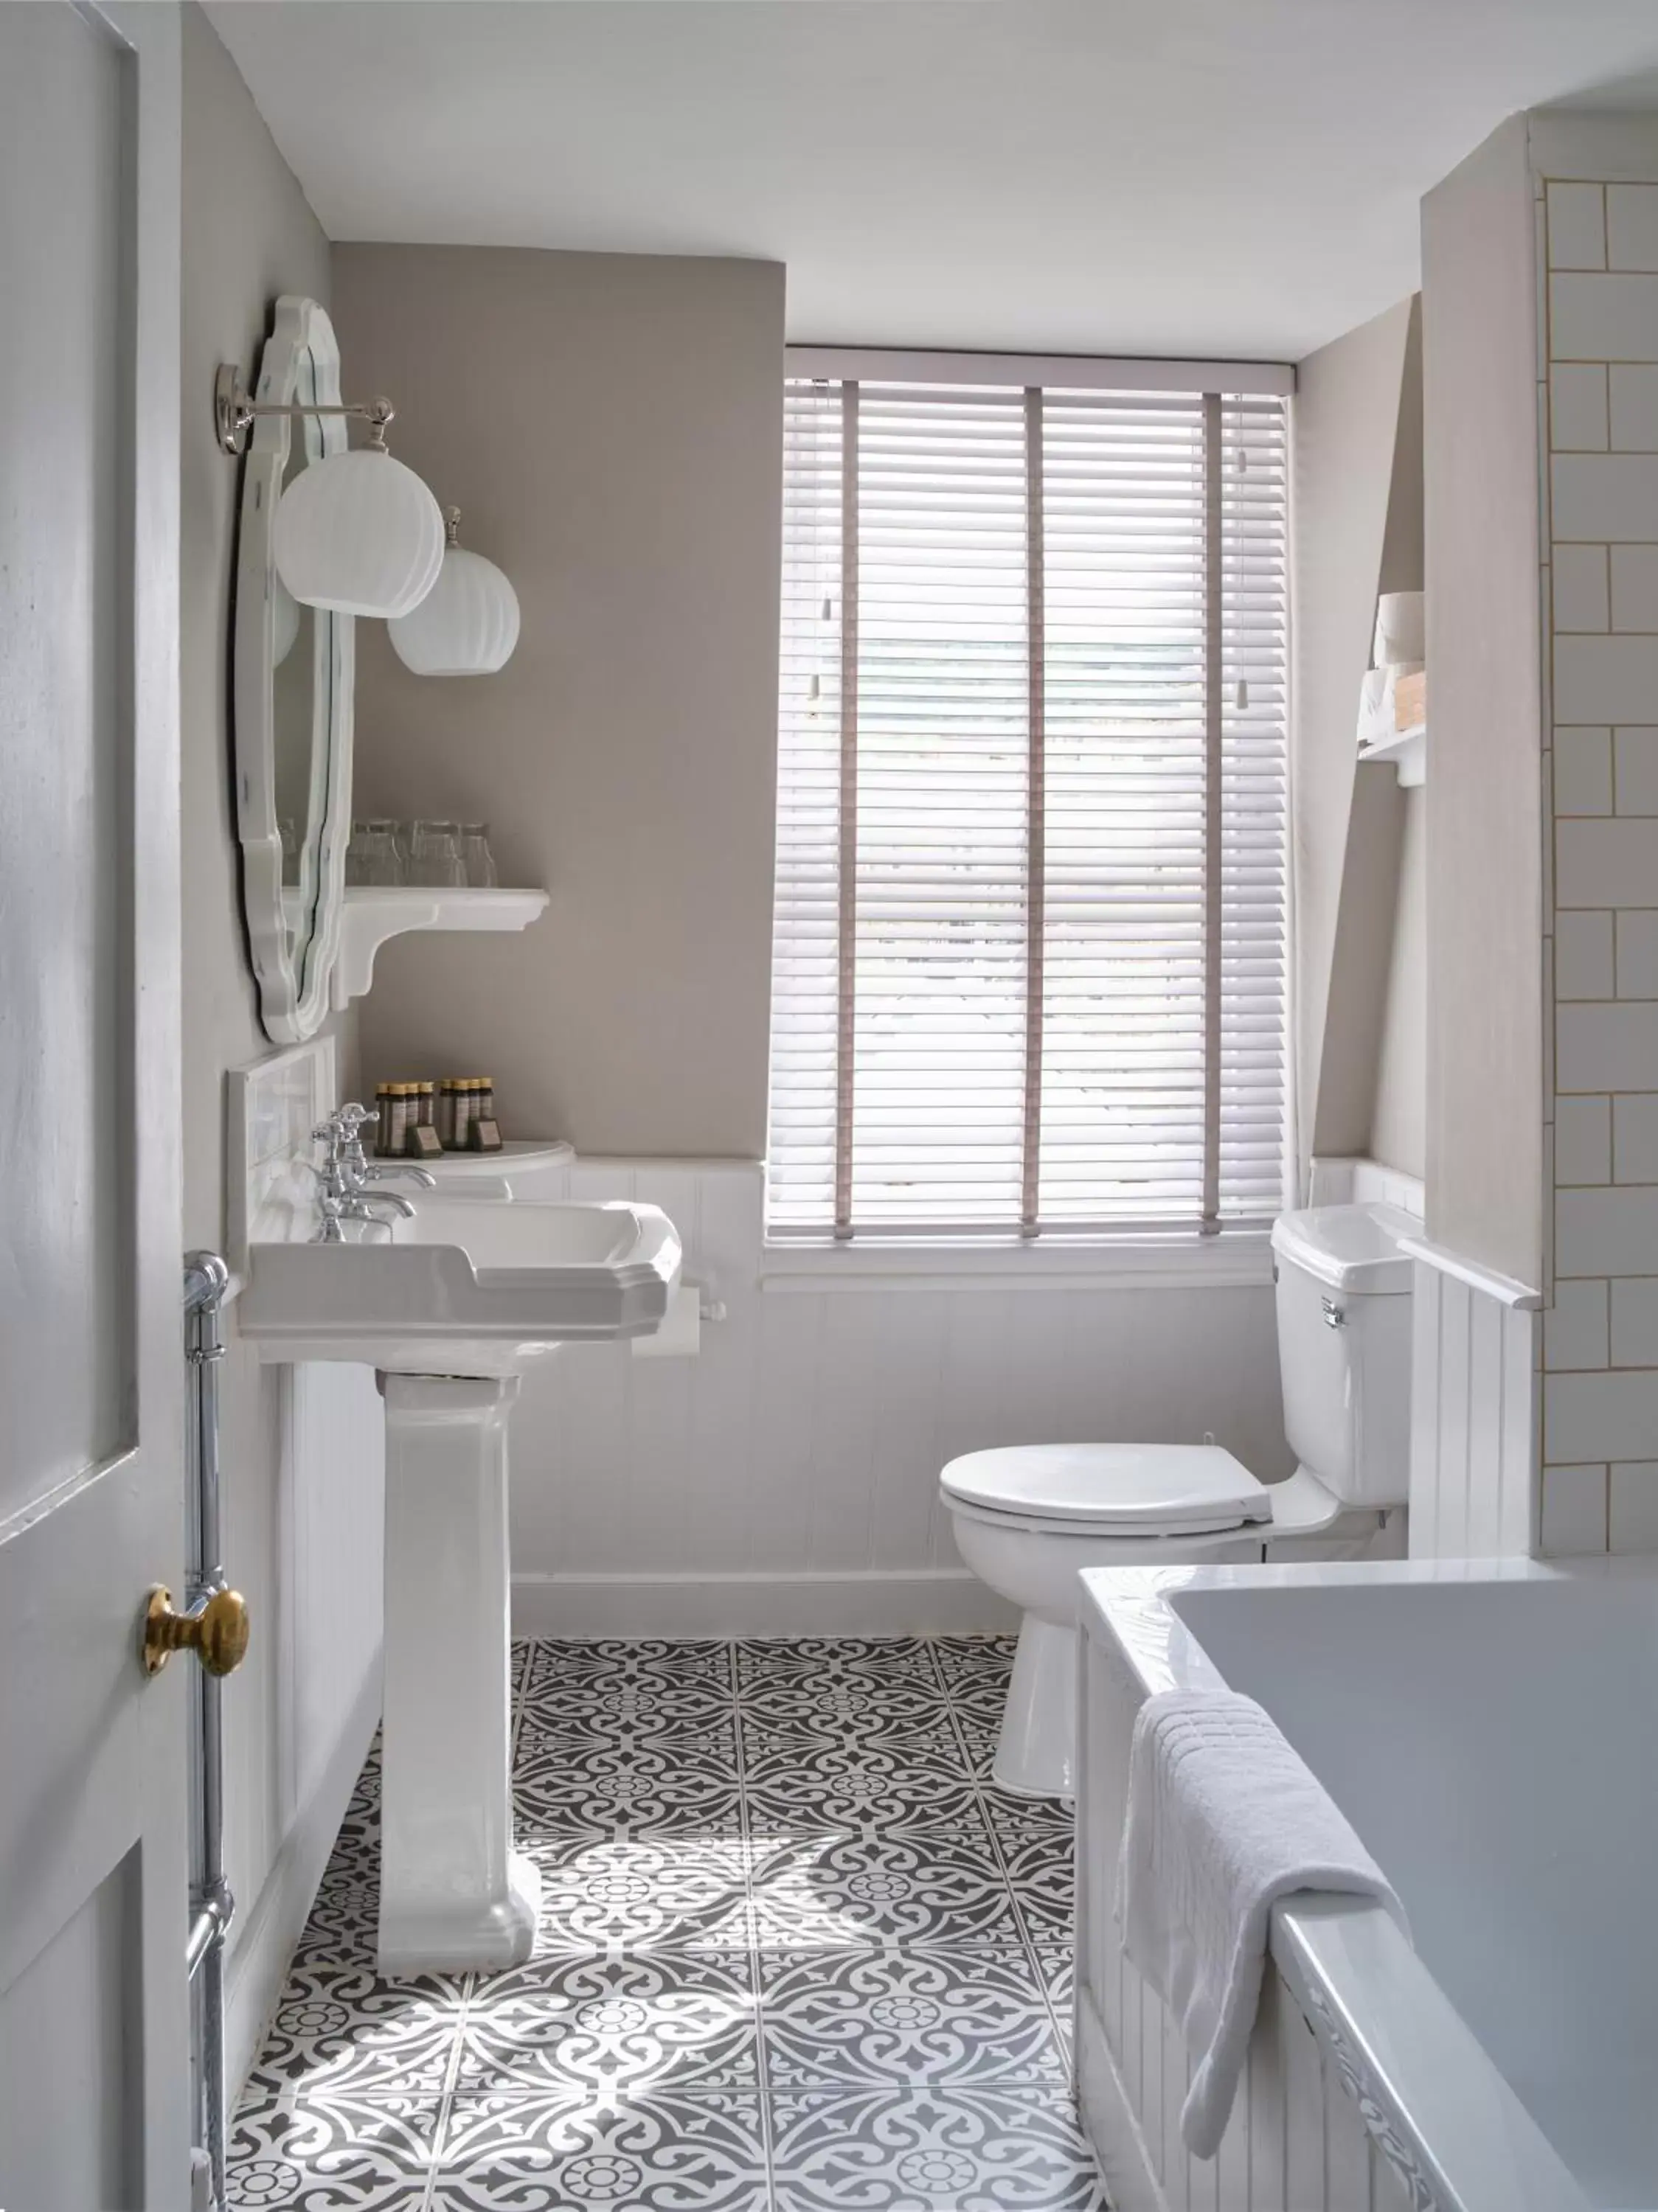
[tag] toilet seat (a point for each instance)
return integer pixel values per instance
(1108, 1490)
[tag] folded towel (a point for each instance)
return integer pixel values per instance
(1223, 1818)
(1401, 626)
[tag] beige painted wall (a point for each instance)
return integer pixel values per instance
(1398, 1116)
(1357, 530)
(611, 427)
(1484, 847)
(247, 236)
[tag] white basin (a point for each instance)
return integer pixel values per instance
(463, 1287)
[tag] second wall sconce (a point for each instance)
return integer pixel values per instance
(468, 623)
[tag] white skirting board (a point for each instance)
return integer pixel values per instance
(943, 1602)
(262, 1943)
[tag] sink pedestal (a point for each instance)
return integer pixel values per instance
(453, 1891)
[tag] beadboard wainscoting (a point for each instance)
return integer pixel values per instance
(784, 1479)
(1474, 1385)
(1299, 2138)
(302, 1709)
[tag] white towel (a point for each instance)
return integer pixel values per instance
(1401, 626)
(1223, 1818)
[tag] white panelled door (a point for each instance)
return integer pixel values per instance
(93, 1777)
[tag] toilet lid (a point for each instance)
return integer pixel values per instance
(1165, 1487)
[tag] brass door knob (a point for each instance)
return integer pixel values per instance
(217, 1634)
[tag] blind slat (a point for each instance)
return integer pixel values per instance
(1030, 929)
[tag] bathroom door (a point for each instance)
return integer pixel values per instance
(94, 1782)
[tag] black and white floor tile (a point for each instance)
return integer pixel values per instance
(796, 1955)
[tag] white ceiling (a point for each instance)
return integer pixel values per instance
(1210, 177)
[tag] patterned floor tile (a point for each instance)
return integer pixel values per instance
(841, 1706)
(342, 2030)
(979, 1700)
(1037, 1847)
(649, 2154)
(654, 1892)
(860, 1801)
(343, 1926)
(613, 2027)
(969, 1660)
(628, 1747)
(981, 2150)
(645, 1669)
(797, 1954)
(911, 2017)
(836, 1891)
(324, 2154)
(551, 1800)
(818, 1663)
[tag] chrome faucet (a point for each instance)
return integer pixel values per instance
(346, 1172)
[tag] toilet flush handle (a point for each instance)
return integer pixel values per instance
(1333, 1315)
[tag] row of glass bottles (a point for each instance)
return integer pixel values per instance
(449, 853)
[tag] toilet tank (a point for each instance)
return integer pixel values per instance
(1344, 1299)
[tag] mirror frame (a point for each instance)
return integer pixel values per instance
(293, 994)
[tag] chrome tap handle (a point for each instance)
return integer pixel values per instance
(350, 1119)
(379, 1174)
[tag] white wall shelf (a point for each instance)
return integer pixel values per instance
(1406, 751)
(375, 912)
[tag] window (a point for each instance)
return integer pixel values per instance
(1030, 933)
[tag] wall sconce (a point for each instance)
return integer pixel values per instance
(468, 623)
(356, 532)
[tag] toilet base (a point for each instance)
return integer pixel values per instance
(1036, 1753)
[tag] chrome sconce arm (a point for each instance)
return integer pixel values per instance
(235, 412)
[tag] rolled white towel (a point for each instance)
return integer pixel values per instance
(1224, 1818)
(1401, 628)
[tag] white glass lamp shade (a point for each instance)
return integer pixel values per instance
(360, 534)
(466, 624)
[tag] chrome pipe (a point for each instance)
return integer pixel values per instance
(206, 1287)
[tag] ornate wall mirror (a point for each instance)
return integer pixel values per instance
(292, 682)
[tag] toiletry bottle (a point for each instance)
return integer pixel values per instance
(383, 1125)
(422, 1143)
(484, 1135)
(446, 1114)
(463, 1096)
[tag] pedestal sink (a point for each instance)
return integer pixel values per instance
(450, 1308)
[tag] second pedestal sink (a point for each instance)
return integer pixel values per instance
(450, 1307)
(465, 1286)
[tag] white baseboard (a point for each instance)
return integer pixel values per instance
(264, 1944)
(940, 1601)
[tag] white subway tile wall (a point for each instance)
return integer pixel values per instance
(1599, 1397)
(1580, 403)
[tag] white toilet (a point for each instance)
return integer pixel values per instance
(1030, 1518)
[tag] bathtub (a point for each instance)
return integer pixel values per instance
(1490, 1728)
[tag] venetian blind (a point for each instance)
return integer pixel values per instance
(1029, 947)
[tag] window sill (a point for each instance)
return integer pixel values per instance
(1241, 1260)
